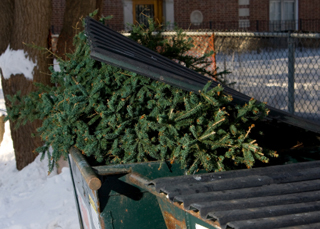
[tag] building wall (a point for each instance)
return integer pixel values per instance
(259, 10)
(115, 8)
(110, 7)
(212, 10)
(309, 13)
(217, 14)
(309, 9)
(259, 15)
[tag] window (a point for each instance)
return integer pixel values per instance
(282, 15)
(144, 9)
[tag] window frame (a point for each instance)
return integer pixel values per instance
(284, 24)
(158, 9)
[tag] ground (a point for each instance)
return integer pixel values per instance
(30, 198)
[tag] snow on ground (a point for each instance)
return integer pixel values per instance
(264, 76)
(30, 199)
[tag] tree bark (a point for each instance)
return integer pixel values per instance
(72, 24)
(6, 22)
(31, 25)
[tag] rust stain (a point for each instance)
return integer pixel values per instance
(134, 179)
(103, 226)
(172, 222)
(197, 215)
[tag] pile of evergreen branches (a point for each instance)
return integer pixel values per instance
(116, 116)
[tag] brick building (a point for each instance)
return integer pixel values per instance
(249, 15)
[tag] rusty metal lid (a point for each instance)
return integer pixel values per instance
(271, 197)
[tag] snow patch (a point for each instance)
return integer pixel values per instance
(14, 62)
(198, 178)
(30, 199)
(56, 65)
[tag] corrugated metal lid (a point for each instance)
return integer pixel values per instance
(271, 197)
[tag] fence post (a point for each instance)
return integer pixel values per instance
(291, 62)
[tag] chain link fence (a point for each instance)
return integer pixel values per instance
(281, 69)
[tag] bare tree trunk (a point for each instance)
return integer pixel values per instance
(6, 22)
(31, 25)
(72, 24)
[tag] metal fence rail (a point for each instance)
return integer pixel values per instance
(281, 69)
(310, 25)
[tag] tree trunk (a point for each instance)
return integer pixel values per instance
(72, 24)
(6, 17)
(31, 25)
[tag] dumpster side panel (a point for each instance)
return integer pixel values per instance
(88, 200)
(196, 223)
(176, 218)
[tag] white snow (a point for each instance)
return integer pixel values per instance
(30, 199)
(264, 76)
(14, 62)
(56, 65)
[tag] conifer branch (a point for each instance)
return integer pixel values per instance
(189, 113)
(214, 124)
(249, 130)
(117, 116)
(206, 136)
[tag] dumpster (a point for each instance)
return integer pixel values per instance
(107, 199)
(159, 195)
(145, 195)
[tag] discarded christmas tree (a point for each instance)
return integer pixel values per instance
(116, 116)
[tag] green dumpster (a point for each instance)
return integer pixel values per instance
(142, 195)
(107, 199)
(145, 195)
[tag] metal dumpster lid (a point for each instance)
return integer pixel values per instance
(113, 48)
(270, 197)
